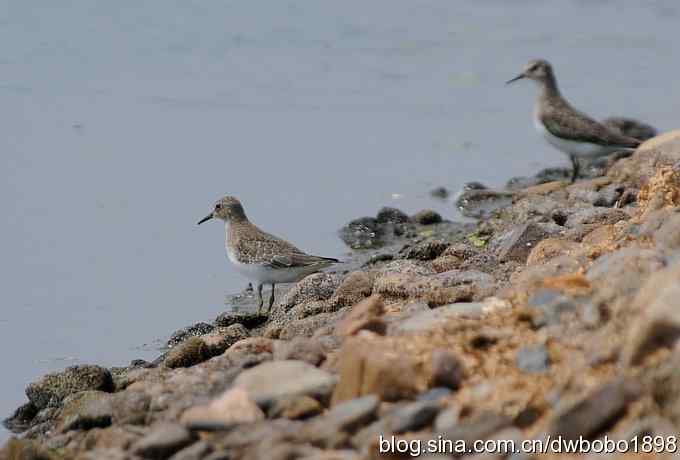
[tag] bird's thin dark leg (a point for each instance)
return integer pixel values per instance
(575, 168)
(259, 298)
(271, 299)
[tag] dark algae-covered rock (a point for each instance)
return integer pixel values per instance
(375, 232)
(195, 330)
(53, 388)
(249, 320)
(363, 233)
(427, 217)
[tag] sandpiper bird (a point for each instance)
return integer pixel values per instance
(260, 256)
(564, 127)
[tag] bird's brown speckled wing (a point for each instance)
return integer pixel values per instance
(573, 125)
(263, 248)
(256, 246)
(299, 260)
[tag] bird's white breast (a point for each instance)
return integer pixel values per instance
(263, 273)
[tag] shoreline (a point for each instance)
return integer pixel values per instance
(552, 314)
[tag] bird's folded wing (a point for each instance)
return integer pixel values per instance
(294, 260)
(578, 127)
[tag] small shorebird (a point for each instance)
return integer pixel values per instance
(260, 256)
(564, 127)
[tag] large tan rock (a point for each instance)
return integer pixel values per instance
(371, 366)
(550, 248)
(660, 191)
(267, 382)
(232, 408)
(366, 315)
(658, 321)
(662, 150)
(354, 287)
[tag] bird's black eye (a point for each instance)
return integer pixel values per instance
(533, 68)
(218, 206)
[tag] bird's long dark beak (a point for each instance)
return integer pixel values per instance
(518, 77)
(206, 218)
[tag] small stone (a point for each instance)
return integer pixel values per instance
(427, 217)
(86, 410)
(440, 192)
(333, 429)
(354, 288)
(432, 318)
(533, 359)
(24, 449)
(447, 418)
(295, 408)
(479, 427)
(622, 272)
(308, 326)
(363, 233)
(252, 345)
(435, 394)
(366, 315)
(163, 441)
(51, 389)
(232, 408)
(609, 195)
(249, 320)
(284, 379)
(445, 263)
(222, 338)
(130, 407)
(21, 419)
(429, 288)
(447, 370)
(481, 285)
(392, 216)
(516, 244)
(592, 314)
(196, 451)
(550, 248)
(600, 216)
(367, 367)
(350, 415)
(505, 439)
(366, 439)
(427, 250)
(648, 426)
(415, 307)
(482, 203)
(195, 330)
(377, 258)
(192, 351)
(550, 305)
(413, 416)
(315, 287)
(667, 236)
(300, 348)
(659, 327)
(598, 410)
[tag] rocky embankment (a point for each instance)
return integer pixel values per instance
(557, 314)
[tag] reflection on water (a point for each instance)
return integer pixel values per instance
(123, 122)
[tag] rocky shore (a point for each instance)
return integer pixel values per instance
(555, 314)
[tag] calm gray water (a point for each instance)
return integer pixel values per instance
(123, 121)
